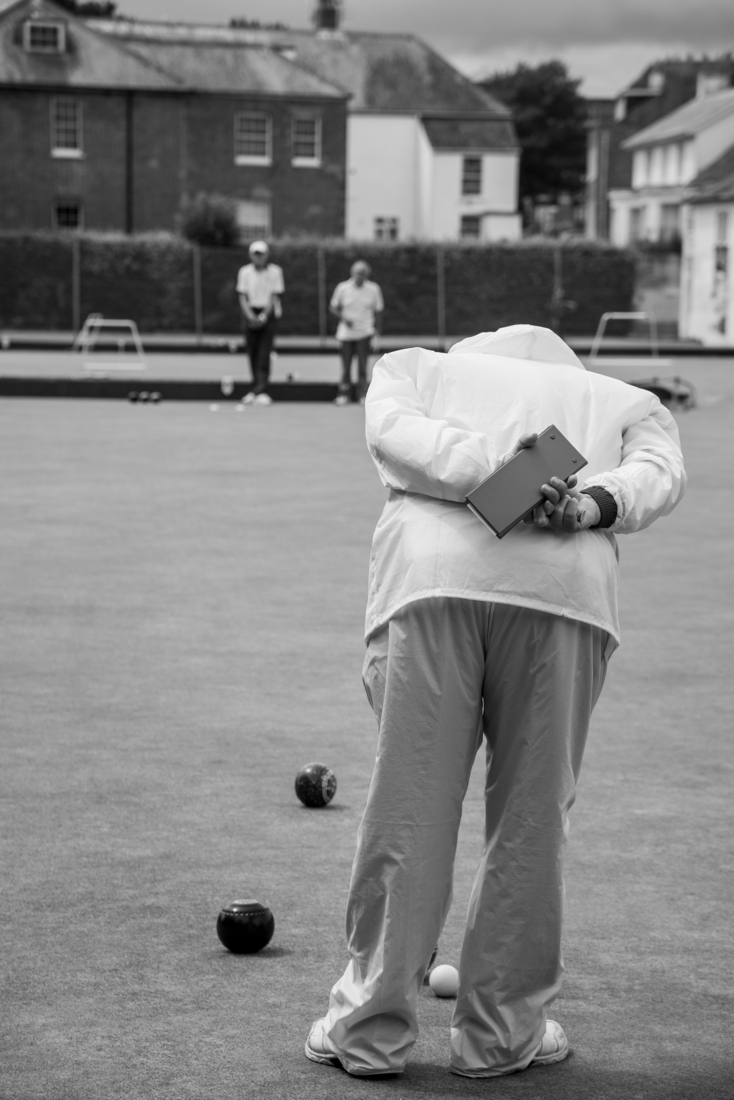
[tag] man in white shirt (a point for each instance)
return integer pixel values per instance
(259, 288)
(359, 306)
(468, 638)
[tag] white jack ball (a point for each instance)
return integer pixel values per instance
(444, 980)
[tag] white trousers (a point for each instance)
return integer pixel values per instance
(443, 674)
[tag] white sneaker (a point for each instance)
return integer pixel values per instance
(249, 398)
(263, 399)
(318, 1048)
(342, 399)
(554, 1046)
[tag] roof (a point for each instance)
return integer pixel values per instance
(715, 183)
(392, 73)
(226, 68)
(479, 134)
(91, 60)
(687, 121)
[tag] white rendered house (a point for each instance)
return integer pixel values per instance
(707, 279)
(434, 178)
(666, 157)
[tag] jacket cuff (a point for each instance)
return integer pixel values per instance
(607, 504)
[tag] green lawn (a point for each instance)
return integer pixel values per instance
(182, 598)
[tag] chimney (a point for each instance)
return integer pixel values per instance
(327, 15)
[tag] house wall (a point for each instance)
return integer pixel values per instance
(31, 180)
(393, 171)
(498, 196)
(707, 279)
(713, 141)
(180, 145)
(303, 199)
(382, 174)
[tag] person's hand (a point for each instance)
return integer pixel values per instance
(565, 508)
(524, 441)
(375, 342)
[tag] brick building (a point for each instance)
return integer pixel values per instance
(429, 154)
(99, 134)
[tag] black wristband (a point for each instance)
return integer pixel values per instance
(607, 504)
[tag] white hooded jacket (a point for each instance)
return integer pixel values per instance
(439, 424)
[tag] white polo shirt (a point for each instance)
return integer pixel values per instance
(358, 305)
(260, 286)
(437, 425)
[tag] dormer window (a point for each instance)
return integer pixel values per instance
(44, 36)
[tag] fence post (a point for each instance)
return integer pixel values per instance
(441, 297)
(198, 305)
(76, 289)
(321, 264)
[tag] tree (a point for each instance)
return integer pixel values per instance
(549, 116)
(209, 220)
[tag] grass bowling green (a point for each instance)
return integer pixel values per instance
(182, 598)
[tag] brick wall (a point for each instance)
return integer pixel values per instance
(31, 180)
(181, 144)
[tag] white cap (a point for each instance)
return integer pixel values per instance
(259, 246)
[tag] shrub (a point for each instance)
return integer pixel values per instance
(150, 279)
(209, 220)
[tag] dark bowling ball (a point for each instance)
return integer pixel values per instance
(315, 785)
(245, 926)
(132, 396)
(143, 395)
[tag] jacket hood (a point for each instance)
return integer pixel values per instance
(520, 342)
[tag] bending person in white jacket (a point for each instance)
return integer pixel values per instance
(472, 638)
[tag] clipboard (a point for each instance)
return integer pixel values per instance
(511, 492)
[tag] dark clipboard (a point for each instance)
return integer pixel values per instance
(510, 493)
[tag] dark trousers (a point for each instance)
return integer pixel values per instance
(259, 346)
(347, 351)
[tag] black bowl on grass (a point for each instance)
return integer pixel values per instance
(315, 785)
(245, 926)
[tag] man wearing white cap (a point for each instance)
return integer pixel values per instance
(259, 288)
(472, 638)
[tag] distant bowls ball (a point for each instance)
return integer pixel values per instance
(315, 785)
(245, 926)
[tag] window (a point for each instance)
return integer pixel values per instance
(66, 127)
(471, 176)
(722, 226)
(253, 219)
(387, 229)
(43, 37)
(656, 176)
(640, 168)
(67, 214)
(672, 164)
(637, 223)
(471, 226)
(669, 222)
(252, 139)
(306, 141)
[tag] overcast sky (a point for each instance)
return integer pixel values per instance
(604, 42)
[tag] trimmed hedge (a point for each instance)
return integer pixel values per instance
(150, 279)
